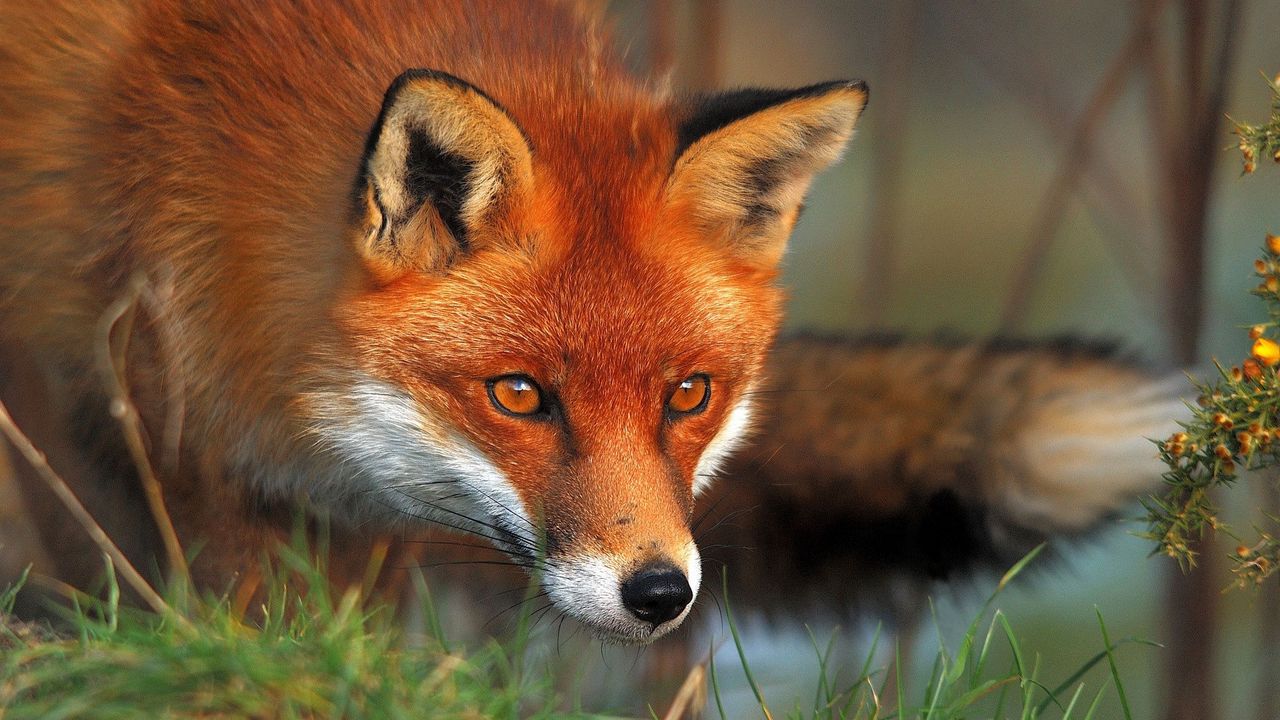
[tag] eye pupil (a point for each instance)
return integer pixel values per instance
(515, 395)
(690, 396)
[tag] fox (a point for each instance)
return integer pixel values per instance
(453, 265)
(435, 262)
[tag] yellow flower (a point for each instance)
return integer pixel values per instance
(1273, 243)
(1266, 351)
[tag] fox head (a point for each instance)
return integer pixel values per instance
(559, 317)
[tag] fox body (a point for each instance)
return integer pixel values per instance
(440, 262)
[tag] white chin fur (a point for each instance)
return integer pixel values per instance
(588, 589)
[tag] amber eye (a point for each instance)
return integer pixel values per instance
(691, 395)
(515, 395)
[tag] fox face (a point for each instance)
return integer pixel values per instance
(556, 330)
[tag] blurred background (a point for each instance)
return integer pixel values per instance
(1029, 169)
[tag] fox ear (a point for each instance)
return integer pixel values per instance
(442, 164)
(745, 159)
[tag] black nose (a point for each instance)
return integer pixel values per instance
(656, 593)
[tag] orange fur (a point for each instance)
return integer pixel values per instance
(215, 147)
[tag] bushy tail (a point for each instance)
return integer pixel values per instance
(880, 463)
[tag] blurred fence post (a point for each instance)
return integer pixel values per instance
(1189, 156)
(892, 100)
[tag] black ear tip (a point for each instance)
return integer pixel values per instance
(859, 85)
(822, 88)
(413, 75)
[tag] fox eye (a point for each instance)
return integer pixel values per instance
(691, 396)
(515, 395)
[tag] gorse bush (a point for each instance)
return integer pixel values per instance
(1262, 141)
(1235, 424)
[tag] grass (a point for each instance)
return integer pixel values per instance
(965, 684)
(309, 653)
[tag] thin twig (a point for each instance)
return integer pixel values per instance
(1074, 158)
(155, 301)
(1019, 73)
(72, 503)
(123, 409)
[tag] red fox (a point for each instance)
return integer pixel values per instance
(442, 262)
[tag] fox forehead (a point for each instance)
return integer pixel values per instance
(617, 310)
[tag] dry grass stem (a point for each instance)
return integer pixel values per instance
(111, 358)
(72, 503)
(692, 695)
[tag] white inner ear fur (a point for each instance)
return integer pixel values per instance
(782, 146)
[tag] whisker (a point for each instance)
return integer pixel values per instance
(728, 517)
(442, 523)
(508, 537)
(693, 529)
(513, 606)
(447, 563)
(504, 506)
(474, 546)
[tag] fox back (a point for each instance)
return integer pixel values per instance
(397, 263)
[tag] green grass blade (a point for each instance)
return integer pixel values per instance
(431, 614)
(10, 594)
(1018, 567)
(1086, 667)
(972, 696)
(823, 696)
(1115, 672)
(871, 654)
(1097, 702)
(1066, 714)
(1028, 709)
(1014, 646)
(737, 643)
(901, 710)
(715, 681)
(113, 597)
